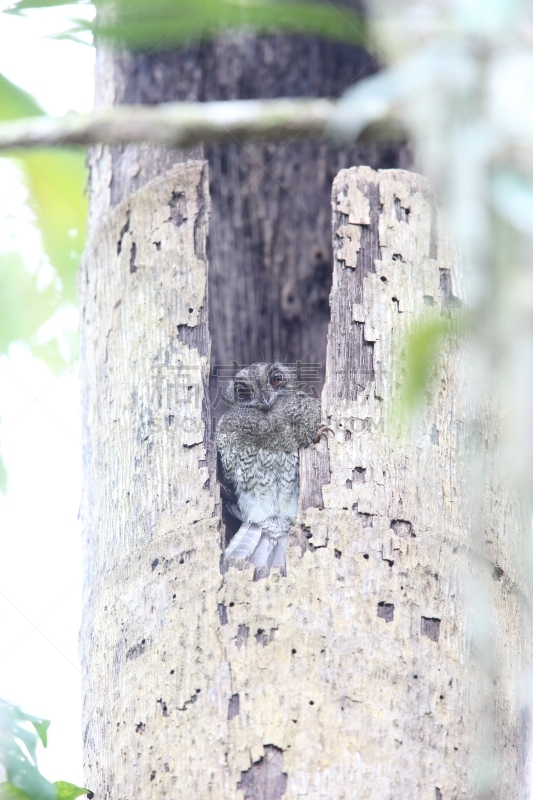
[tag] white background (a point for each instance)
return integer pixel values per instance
(40, 559)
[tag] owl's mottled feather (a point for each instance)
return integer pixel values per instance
(258, 439)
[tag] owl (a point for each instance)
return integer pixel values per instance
(258, 439)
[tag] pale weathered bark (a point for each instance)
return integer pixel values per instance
(360, 674)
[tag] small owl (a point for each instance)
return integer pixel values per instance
(258, 439)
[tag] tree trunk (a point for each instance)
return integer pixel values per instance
(365, 673)
(270, 236)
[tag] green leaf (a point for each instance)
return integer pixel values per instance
(421, 347)
(41, 726)
(24, 5)
(15, 102)
(25, 782)
(22, 772)
(10, 792)
(69, 791)
(165, 23)
(56, 182)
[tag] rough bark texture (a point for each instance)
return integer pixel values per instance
(147, 507)
(364, 673)
(434, 646)
(270, 236)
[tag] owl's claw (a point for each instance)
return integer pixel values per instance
(321, 431)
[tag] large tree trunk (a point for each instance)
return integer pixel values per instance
(364, 672)
(270, 236)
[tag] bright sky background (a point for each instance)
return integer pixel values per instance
(40, 554)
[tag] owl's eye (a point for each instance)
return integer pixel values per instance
(276, 379)
(243, 391)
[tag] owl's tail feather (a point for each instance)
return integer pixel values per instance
(269, 552)
(244, 542)
(261, 554)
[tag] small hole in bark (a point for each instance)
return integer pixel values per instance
(133, 254)
(173, 596)
(338, 553)
(143, 641)
(347, 435)
(348, 484)
(293, 651)
(172, 672)
(358, 475)
(403, 528)
(311, 702)
(441, 697)
(383, 278)
(366, 555)
(157, 245)
(386, 611)
(198, 691)
(234, 706)
(402, 213)
(152, 775)
(265, 779)
(497, 573)
(178, 208)
(231, 604)
(191, 310)
(140, 727)
(415, 677)
(164, 708)
(182, 560)
(242, 636)
(430, 627)
(124, 229)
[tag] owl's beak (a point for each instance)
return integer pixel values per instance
(267, 401)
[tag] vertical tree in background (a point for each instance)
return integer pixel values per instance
(270, 235)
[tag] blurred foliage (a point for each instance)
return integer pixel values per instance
(165, 23)
(55, 181)
(18, 756)
(420, 349)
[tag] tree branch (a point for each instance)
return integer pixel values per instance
(184, 124)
